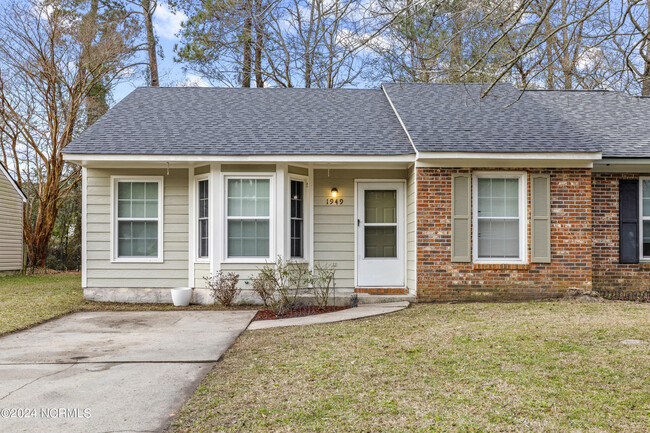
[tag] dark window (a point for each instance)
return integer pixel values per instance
(203, 218)
(297, 218)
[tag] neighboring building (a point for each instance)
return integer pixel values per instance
(12, 200)
(420, 190)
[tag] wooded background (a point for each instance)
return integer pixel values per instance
(60, 61)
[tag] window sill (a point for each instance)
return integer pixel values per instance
(137, 260)
(202, 261)
(506, 266)
(248, 261)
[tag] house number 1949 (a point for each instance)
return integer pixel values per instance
(333, 201)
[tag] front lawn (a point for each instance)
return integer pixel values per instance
(26, 300)
(552, 367)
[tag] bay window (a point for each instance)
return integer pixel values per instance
(499, 218)
(248, 217)
(138, 224)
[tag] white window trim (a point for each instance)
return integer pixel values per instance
(642, 258)
(245, 260)
(306, 217)
(197, 203)
(523, 216)
(113, 219)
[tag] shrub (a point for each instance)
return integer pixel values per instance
(223, 287)
(279, 284)
(323, 282)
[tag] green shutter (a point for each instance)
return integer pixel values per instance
(461, 218)
(540, 218)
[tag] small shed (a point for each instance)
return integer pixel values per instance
(12, 200)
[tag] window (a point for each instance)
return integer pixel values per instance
(297, 218)
(645, 219)
(138, 219)
(248, 217)
(203, 203)
(499, 218)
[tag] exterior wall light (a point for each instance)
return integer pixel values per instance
(335, 192)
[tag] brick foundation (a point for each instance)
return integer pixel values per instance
(439, 279)
(608, 274)
(380, 291)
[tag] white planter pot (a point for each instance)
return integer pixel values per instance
(181, 296)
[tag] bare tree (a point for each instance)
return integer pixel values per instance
(48, 73)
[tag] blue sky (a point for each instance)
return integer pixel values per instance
(166, 25)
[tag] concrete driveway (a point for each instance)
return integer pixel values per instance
(110, 371)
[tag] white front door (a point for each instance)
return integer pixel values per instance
(380, 227)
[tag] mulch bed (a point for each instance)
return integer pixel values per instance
(297, 312)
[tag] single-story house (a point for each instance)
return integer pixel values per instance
(12, 200)
(425, 191)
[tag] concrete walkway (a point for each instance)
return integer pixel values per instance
(110, 371)
(365, 310)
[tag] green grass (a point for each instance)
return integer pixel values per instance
(26, 300)
(551, 367)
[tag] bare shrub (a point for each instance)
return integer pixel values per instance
(223, 287)
(323, 283)
(279, 283)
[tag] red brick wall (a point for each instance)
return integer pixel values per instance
(439, 279)
(608, 273)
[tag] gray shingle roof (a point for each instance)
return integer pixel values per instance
(439, 117)
(453, 117)
(214, 121)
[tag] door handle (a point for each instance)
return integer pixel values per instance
(358, 222)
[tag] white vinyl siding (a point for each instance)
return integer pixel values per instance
(173, 271)
(334, 224)
(11, 226)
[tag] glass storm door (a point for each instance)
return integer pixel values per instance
(380, 234)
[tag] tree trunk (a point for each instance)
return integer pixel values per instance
(148, 10)
(247, 39)
(96, 105)
(645, 89)
(259, 41)
(456, 46)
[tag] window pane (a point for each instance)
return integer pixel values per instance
(380, 241)
(380, 206)
(124, 208)
(296, 238)
(124, 190)
(203, 189)
(498, 197)
(646, 238)
(645, 191)
(137, 190)
(498, 238)
(151, 209)
(137, 209)
(152, 191)
(203, 238)
(248, 238)
(137, 238)
(248, 197)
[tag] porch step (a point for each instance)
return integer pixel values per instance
(343, 297)
(366, 298)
